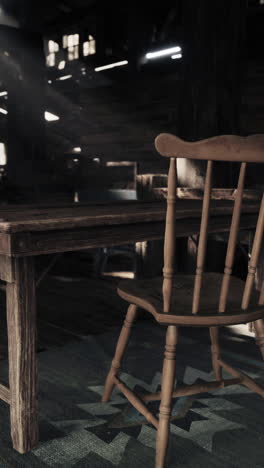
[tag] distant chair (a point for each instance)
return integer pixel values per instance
(203, 299)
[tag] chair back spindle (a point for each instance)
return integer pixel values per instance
(231, 247)
(169, 242)
(202, 309)
(230, 148)
(254, 260)
(202, 238)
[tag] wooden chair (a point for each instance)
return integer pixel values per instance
(217, 299)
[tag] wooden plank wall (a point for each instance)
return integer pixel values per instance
(119, 122)
(113, 123)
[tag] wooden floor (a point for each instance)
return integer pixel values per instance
(71, 303)
(78, 324)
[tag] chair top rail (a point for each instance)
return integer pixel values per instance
(219, 148)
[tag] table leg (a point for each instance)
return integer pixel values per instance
(21, 324)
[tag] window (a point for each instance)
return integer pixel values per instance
(89, 47)
(3, 157)
(53, 48)
(70, 50)
(71, 43)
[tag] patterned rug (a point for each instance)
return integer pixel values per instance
(222, 428)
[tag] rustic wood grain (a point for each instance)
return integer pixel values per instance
(245, 379)
(5, 393)
(27, 231)
(157, 193)
(186, 300)
(167, 387)
(231, 246)
(184, 390)
(202, 238)
(231, 148)
(36, 231)
(5, 243)
(44, 242)
(6, 269)
(215, 351)
(120, 349)
(21, 322)
(42, 218)
(169, 241)
(147, 294)
(252, 267)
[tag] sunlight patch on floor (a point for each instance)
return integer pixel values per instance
(120, 274)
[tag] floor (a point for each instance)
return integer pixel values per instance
(78, 323)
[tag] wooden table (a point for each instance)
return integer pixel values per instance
(26, 231)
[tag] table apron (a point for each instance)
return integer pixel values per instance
(38, 243)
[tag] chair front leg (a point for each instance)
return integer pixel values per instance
(215, 351)
(167, 386)
(120, 349)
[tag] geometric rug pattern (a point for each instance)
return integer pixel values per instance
(223, 428)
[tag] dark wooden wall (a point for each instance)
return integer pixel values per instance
(217, 89)
(114, 116)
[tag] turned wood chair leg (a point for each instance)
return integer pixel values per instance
(215, 350)
(167, 386)
(120, 349)
(259, 333)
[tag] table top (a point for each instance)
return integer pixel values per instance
(30, 218)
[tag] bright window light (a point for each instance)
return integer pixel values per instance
(3, 93)
(71, 40)
(3, 158)
(77, 149)
(89, 47)
(73, 53)
(86, 48)
(65, 77)
(176, 56)
(51, 59)
(92, 43)
(65, 42)
(48, 115)
(111, 65)
(76, 39)
(61, 65)
(161, 53)
(51, 117)
(53, 46)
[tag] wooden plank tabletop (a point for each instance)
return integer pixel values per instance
(28, 218)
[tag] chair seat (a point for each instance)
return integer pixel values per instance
(147, 294)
